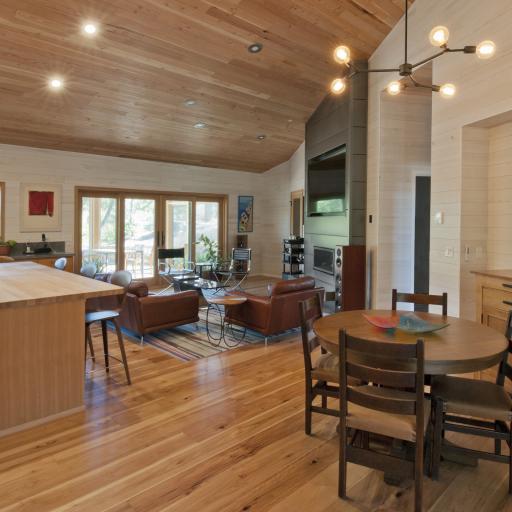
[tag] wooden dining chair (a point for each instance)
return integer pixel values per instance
(420, 299)
(121, 278)
(384, 408)
(458, 402)
(323, 371)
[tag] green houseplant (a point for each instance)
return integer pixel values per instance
(5, 247)
(211, 250)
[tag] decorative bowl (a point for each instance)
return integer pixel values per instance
(414, 324)
(383, 322)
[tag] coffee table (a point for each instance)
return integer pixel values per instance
(199, 284)
(216, 306)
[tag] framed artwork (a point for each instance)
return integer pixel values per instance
(245, 214)
(40, 208)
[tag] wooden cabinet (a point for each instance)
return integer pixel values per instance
(50, 262)
(494, 297)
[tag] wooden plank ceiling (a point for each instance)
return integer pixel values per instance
(125, 88)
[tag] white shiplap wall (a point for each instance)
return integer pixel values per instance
(483, 91)
(405, 154)
(270, 191)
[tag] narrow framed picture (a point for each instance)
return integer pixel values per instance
(245, 214)
(40, 208)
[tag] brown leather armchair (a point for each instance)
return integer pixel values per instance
(143, 313)
(277, 312)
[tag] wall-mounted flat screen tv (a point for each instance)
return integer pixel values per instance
(326, 183)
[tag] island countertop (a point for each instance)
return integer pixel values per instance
(501, 274)
(28, 283)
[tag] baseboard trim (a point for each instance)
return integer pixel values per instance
(41, 421)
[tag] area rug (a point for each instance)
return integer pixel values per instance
(188, 342)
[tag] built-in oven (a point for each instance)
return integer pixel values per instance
(323, 260)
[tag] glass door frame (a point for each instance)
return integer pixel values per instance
(160, 229)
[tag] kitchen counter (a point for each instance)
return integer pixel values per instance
(31, 257)
(42, 339)
(501, 274)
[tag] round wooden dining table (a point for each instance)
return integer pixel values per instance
(462, 347)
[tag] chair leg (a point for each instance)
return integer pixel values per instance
(438, 438)
(105, 344)
(142, 341)
(266, 341)
(510, 460)
(497, 442)
(89, 344)
(120, 340)
(309, 394)
(342, 473)
(418, 479)
(324, 397)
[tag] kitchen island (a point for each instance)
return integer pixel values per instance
(42, 342)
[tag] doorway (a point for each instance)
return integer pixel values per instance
(297, 213)
(422, 238)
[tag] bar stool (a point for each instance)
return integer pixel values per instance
(88, 270)
(123, 279)
(61, 263)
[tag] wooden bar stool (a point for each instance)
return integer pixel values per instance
(123, 279)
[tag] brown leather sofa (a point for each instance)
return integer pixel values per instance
(143, 313)
(277, 312)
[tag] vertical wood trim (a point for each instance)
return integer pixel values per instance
(2, 210)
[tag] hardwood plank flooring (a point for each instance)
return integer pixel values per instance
(219, 434)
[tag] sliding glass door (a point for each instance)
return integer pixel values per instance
(139, 222)
(99, 241)
(122, 230)
(178, 226)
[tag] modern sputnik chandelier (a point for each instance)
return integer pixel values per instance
(438, 37)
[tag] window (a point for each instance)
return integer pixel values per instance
(123, 230)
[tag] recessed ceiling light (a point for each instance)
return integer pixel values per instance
(255, 48)
(190, 102)
(56, 83)
(200, 125)
(90, 29)
(261, 137)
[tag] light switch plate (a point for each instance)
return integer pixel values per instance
(439, 218)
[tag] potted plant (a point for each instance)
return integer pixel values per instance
(5, 247)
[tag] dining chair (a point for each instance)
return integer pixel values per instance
(238, 270)
(458, 402)
(420, 299)
(172, 266)
(121, 278)
(324, 370)
(384, 408)
(61, 263)
(6, 259)
(88, 270)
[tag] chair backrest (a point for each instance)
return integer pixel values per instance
(375, 362)
(241, 259)
(121, 278)
(6, 259)
(505, 370)
(61, 263)
(171, 254)
(420, 298)
(88, 270)
(309, 311)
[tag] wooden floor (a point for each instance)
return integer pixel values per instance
(218, 434)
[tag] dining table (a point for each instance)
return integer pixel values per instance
(461, 347)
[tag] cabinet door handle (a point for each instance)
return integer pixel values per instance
(507, 302)
(506, 285)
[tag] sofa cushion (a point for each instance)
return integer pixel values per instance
(138, 288)
(292, 285)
